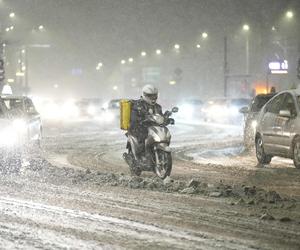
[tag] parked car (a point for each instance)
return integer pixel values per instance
(278, 128)
(224, 110)
(250, 118)
(21, 129)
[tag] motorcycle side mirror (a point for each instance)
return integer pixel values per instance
(174, 110)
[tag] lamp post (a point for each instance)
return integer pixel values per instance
(246, 29)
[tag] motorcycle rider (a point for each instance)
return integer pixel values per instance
(141, 108)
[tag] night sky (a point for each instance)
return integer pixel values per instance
(83, 32)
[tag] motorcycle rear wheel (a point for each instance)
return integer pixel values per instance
(163, 164)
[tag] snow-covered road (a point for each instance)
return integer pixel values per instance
(79, 195)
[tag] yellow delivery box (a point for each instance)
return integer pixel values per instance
(125, 113)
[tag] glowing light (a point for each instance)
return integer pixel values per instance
(254, 124)
(158, 52)
(204, 35)
(99, 66)
(115, 87)
(172, 82)
(12, 15)
(289, 14)
(246, 27)
(176, 46)
(130, 59)
(198, 46)
(41, 27)
(7, 90)
(20, 74)
(123, 61)
(91, 110)
(20, 125)
(143, 53)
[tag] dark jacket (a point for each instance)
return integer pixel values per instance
(140, 109)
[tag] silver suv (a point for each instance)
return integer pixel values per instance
(278, 128)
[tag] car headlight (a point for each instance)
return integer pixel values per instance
(217, 111)
(105, 105)
(19, 125)
(91, 110)
(254, 124)
(107, 116)
(70, 109)
(8, 137)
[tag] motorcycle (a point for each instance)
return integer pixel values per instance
(158, 142)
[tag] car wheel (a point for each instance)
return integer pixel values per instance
(296, 153)
(261, 156)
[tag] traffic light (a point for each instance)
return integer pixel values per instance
(2, 71)
(298, 69)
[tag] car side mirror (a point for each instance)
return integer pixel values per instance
(175, 110)
(244, 110)
(285, 113)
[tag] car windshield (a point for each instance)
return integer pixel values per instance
(259, 102)
(14, 106)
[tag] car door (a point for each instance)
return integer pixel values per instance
(287, 124)
(270, 127)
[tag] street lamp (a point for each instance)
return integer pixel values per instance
(130, 59)
(123, 61)
(143, 53)
(204, 35)
(41, 28)
(198, 46)
(289, 14)
(99, 66)
(246, 27)
(177, 46)
(158, 52)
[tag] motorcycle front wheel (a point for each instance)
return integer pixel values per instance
(163, 164)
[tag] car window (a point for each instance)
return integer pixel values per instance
(275, 104)
(14, 104)
(289, 104)
(29, 107)
(259, 102)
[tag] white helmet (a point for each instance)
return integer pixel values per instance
(150, 94)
